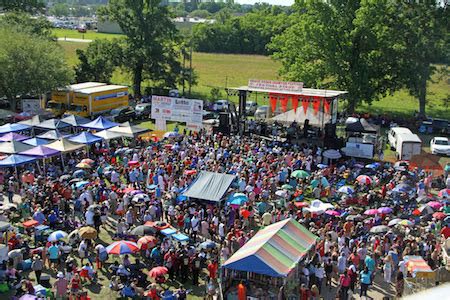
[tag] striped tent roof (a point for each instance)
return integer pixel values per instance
(416, 264)
(274, 250)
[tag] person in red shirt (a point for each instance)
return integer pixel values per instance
(446, 232)
(212, 269)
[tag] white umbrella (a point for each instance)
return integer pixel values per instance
(281, 193)
(141, 198)
(332, 154)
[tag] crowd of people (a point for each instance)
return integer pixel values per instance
(132, 193)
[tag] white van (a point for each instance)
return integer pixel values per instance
(405, 143)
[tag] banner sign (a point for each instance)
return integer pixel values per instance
(177, 109)
(282, 86)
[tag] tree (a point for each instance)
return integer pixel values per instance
(98, 61)
(31, 6)
(30, 64)
(150, 50)
(215, 94)
(59, 10)
(424, 26)
(21, 21)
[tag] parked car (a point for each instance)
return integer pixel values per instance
(250, 108)
(221, 105)
(174, 93)
(210, 115)
(143, 110)
(261, 112)
(440, 145)
(123, 114)
(440, 126)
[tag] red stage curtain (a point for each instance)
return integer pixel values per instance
(327, 105)
(273, 102)
(284, 102)
(295, 103)
(316, 105)
(305, 104)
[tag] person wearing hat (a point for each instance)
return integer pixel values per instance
(60, 286)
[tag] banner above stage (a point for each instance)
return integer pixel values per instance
(281, 86)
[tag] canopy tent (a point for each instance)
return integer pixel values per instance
(210, 186)
(64, 145)
(13, 136)
(41, 151)
(362, 126)
(15, 160)
(14, 147)
(53, 124)
(75, 120)
(35, 120)
(36, 142)
(99, 124)
(418, 267)
(85, 138)
(13, 127)
(53, 135)
(274, 251)
(128, 130)
(109, 135)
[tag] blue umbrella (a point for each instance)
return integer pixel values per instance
(322, 166)
(346, 190)
(238, 199)
(323, 181)
(373, 165)
(79, 173)
(208, 245)
(402, 188)
(81, 184)
(56, 236)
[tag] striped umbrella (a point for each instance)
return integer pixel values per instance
(364, 179)
(445, 193)
(346, 190)
(405, 223)
(122, 247)
(147, 242)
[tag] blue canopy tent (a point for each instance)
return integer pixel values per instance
(85, 138)
(13, 127)
(100, 123)
(36, 142)
(15, 160)
(53, 135)
(53, 124)
(75, 120)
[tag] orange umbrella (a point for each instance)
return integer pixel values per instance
(158, 271)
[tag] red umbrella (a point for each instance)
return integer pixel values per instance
(146, 242)
(133, 163)
(190, 172)
(364, 179)
(128, 190)
(301, 204)
(333, 213)
(158, 271)
(168, 146)
(439, 215)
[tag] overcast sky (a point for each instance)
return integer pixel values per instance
(279, 2)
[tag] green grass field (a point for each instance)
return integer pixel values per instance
(229, 70)
(89, 35)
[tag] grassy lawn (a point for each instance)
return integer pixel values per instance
(229, 70)
(89, 35)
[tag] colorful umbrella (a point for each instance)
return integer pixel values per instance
(287, 187)
(439, 215)
(406, 223)
(364, 179)
(133, 163)
(141, 198)
(87, 232)
(82, 165)
(301, 204)
(346, 190)
(122, 247)
(445, 193)
(88, 161)
(371, 212)
(300, 174)
(394, 222)
(333, 213)
(190, 172)
(158, 271)
(385, 210)
(435, 204)
(147, 242)
(56, 236)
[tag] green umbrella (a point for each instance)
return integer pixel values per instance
(287, 187)
(447, 168)
(301, 174)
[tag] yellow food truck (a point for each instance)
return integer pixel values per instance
(98, 100)
(62, 98)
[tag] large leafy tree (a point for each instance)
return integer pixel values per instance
(21, 21)
(150, 51)
(30, 65)
(98, 61)
(22, 5)
(337, 44)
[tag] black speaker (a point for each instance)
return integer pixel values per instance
(330, 130)
(224, 123)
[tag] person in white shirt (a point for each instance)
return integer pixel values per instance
(319, 272)
(341, 263)
(89, 215)
(82, 250)
(195, 227)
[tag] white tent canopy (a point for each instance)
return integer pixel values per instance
(129, 130)
(109, 135)
(64, 145)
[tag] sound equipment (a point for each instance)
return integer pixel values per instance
(224, 123)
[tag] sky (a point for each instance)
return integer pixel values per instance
(279, 2)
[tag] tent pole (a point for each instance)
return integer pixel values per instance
(62, 161)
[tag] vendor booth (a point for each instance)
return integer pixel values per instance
(210, 186)
(419, 274)
(269, 261)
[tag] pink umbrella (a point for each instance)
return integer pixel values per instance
(333, 213)
(385, 210)
(364, 179)
(445, 193)
(371, 212)
(435, 204)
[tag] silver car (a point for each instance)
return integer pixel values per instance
(261, 112)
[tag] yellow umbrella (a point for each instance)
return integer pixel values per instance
(83, 165)
(87, 232)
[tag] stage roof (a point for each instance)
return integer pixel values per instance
(304, 92)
